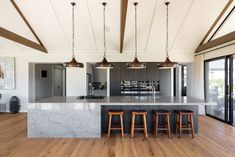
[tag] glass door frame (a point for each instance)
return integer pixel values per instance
(228, 104)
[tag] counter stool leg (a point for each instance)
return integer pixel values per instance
(180, 121)
(110, 122)
(122, 129)
(166, 124)
(169, 126)
(177, 123)
(132, 126)
(156, 125)
(145, 126)
(188, 122)
(192, 125)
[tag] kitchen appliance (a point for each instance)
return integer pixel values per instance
(90, 97)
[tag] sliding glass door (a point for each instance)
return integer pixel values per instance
(215, 87)
(219, 87)
(232, 104)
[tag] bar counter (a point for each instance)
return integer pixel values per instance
(70, 117)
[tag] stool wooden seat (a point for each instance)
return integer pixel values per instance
(143, 127)
(112, 127)
(166, 127)
(189, 126)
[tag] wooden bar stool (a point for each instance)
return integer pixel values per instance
(189, 126)
(166, 127)
(144, 127)
(113, 127)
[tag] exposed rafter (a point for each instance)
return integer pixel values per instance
(20, 39)
(124, 4)
(219, 41)
(215, 24)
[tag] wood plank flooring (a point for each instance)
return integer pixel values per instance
(215, 139)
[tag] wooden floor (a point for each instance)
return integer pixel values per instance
(214, 139)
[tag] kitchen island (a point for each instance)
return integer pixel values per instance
(70, 117)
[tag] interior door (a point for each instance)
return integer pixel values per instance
(58, 76)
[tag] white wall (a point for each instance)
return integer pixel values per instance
(76, 81)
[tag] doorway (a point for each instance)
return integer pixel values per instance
(46, 80)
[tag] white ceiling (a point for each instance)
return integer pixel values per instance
(189, 20)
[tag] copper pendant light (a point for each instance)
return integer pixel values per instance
(104, 64)
(73, 62)
(167, 63)
(136, 64)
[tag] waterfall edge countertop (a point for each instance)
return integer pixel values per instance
(69, 117)
(129, 100)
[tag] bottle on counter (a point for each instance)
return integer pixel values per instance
(158, 86)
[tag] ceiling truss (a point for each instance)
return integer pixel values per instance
(20, 39)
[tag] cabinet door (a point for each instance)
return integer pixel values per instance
(150, 72)
(115, 80)
(140, 74)
(126, 74)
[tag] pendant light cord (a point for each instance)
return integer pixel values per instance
(104, 4)
(136, 29)
(73, 4)
(167, 18)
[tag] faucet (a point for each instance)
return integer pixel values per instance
(153, 90)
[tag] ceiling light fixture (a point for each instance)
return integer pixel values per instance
(73, 62)
(167, 63)
(136, 64)
(104, 64)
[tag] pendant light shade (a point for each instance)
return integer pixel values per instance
(136, 64)
(104, 64)
(167, 63)
(73, 62)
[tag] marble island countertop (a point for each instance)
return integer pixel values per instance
(69, 117)
(129, 100)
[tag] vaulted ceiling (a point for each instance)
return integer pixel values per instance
(189, 21)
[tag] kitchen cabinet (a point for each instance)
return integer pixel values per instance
(152, 72)
(126, 74)
(115, 80)
(121, 73)
(139, 74)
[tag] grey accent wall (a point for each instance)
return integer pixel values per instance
(43, 86)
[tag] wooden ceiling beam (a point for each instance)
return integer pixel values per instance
(124, 5)
(219, 41)
(22, 40)
(215, 23)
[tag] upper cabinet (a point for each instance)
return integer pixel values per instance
(151, 73)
